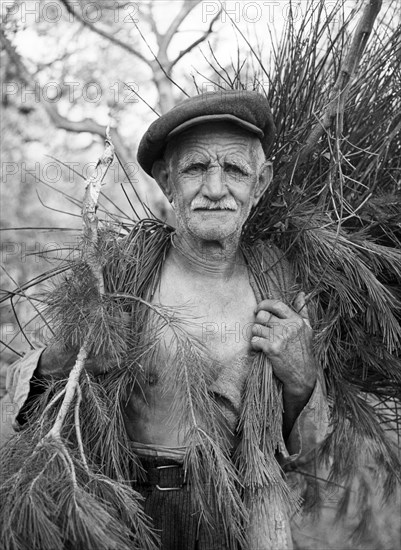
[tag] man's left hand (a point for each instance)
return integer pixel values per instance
(285, 336)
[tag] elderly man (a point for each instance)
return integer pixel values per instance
(208, 155)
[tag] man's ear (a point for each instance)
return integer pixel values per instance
(160, 173)
(264, 179)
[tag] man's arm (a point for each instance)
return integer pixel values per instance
(20, 382)
(309, 428)
(26, 377)
(20, 374)
(286, 337)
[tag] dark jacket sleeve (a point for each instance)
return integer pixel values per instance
(22, 385)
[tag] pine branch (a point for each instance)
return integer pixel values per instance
(87, 510)
(90, 230)
(341, 88)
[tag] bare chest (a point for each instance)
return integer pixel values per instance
(218, 315)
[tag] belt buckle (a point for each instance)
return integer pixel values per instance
(171, 488)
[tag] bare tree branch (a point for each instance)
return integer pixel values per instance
(160, 74)
(88, 125)
(112, 5)
(85, 125)
(196, 42)
(160, 64)
(141, 98)
(103, 33)
(15, 58)
(153, 25)
(186, 8)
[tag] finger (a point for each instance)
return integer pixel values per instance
(301, 308)
(260, 332)
(266, 318)
(307, 323)
(281, 310)
(266, 344)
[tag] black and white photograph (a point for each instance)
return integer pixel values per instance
(200, 275)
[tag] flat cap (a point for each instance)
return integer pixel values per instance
(247, 109)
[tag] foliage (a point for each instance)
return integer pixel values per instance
(326, 213)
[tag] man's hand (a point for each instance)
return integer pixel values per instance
(57, 362)
(286, 338)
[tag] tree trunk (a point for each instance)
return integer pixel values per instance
(165, 89)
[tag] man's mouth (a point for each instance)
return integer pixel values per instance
(218, 209)
(220, 206)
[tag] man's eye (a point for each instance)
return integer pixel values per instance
(195, 168)
(234, 169)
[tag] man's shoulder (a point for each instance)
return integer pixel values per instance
(269, 252)
(142, 235)
(273, 262)
(134, 260)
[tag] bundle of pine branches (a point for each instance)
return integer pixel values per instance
(335, 211)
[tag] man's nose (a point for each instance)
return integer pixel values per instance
(214, 186)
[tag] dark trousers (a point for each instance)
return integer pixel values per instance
(169, 502)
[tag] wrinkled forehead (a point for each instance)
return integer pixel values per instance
(215, 140)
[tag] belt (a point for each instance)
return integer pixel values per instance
(164, 474)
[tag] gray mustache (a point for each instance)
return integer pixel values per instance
(203, 203)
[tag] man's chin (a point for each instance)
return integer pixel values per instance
(208, 217)
(213, 230)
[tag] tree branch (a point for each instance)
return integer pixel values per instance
(103, 33)
(90, 231)
(341, 87)
(186, 8)
(84, 125)
(59, 121)
(87, 125)
(158, 72)
(25, 77)
(153, 25)
(195, 43)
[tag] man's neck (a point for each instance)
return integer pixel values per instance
(211, 259)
